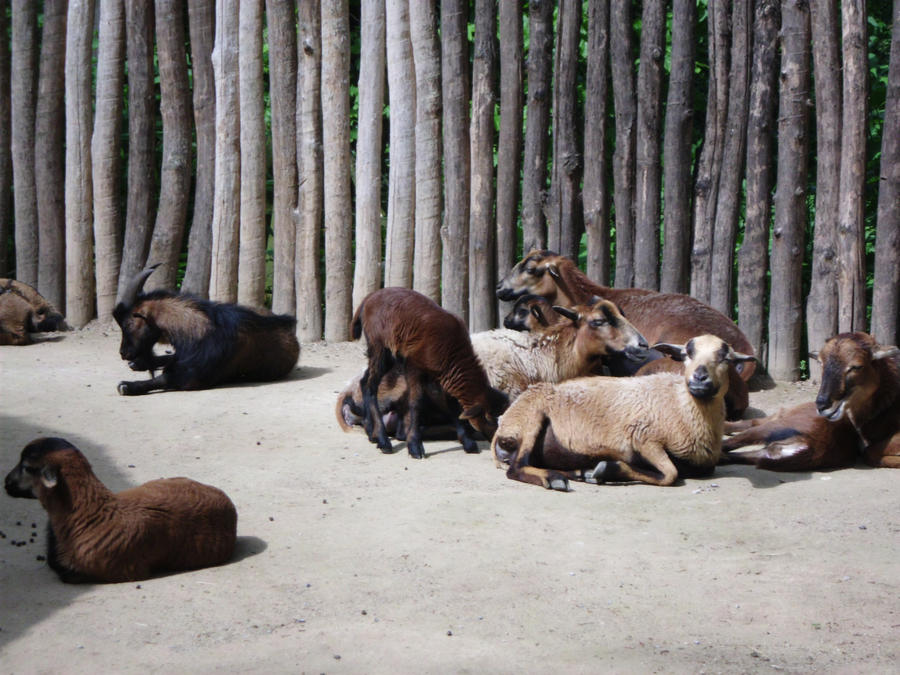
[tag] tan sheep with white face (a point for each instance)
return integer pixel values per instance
(643, 429)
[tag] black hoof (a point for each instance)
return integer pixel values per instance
(123, 389)
(416, 450)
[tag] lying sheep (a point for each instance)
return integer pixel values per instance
(24, 311)
(588, 337)
(633, 429)
(214, 342)
(661, 317)
(857, 411)
(165, 525)
(404, 326)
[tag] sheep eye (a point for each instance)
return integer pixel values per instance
(536, 271)
(852, 369)
(30, 470)
(597, 323)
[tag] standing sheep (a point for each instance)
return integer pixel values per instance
(403, 326)
(165, 525)
(633, 429)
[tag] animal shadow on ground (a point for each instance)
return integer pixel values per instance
(761, 478)
(247, 547)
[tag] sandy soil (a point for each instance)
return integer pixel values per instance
(357, 562)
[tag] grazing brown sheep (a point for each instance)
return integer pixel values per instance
(404, 326)
(644, 429)
(660, 317)
(857, 409)
(93, 534)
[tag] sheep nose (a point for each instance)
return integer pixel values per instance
(642, 342)
(823, 402)
(701, 375)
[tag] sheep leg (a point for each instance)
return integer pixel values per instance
(65, 574)
(380, 362)
(140, 387)
(416, 395)
(464, 430)
(652, 453)
(884, 453)
(521, 470)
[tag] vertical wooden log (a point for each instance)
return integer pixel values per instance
(423, 19)
(482, 244)
(105, 152)
(79, 240)
(336, 167)
(509, 142)
(675, 273)
(398, 253)
(647, 143)
(141, 190)
(23, 76)
(282, 26)
(367, 271)
(177, 162)
(753, 258)
(851, 228)
(708, 167)
(537, 124)
(622, 59)
(733, 157)
(201, 23)
(309, 172)
(785, 299)
(252, 255)
(6, 220)
(227, 190)
(564, 222)
(886, 291)
(455, 97)
(595, 194)
(821, 304)
(49, 145)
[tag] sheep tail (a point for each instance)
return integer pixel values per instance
(356, 322)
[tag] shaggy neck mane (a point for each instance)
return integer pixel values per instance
(886, 398)
(465, 379)
(178, 317)
(577, 285)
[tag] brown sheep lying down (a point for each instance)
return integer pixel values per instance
(94, 535)
(646, 429)
(24, 311)
(856, 412)
(660, 317)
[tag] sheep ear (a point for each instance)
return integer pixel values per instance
(675, 351)
(554, 270)
(737, 357)
(49, 477)
(570, 314)
(885, 353)
(814, 355)
(539, 315)
(471, 413)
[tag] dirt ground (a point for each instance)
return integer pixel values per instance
(352, 561)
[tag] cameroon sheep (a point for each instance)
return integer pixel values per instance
(24, 311)
(644, 429)
(737, 398)
(393, 402)
(532, 312)
(214, 342)
(660, 317)
(857, 409)
(403, 326)
(165, 525)
(590, 336)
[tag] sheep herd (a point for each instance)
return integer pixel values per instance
(585, 383)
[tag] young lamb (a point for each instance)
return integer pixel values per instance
(857, 409)
(661, 317)
(621, 429)
(24, 311)
(165, 525)
(532, 312)
(590, 336)
(403, 326)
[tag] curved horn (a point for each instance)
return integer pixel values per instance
(570, 314)
(130, 293)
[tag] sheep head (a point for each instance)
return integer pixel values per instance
(706, 360)
(604, 332)
(537, 273)
(39, 467)
(849, 373)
